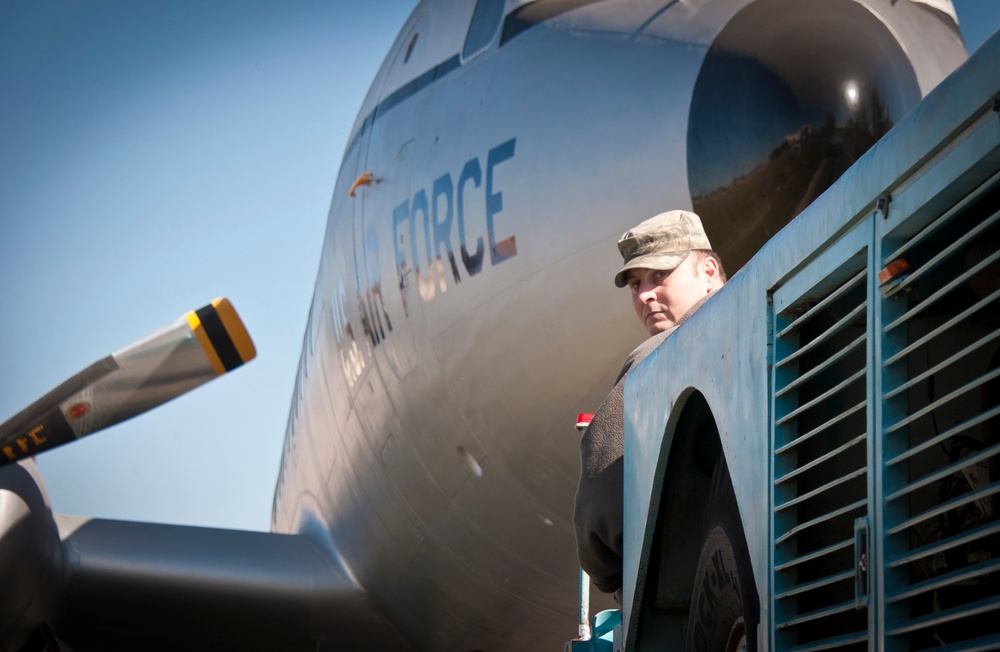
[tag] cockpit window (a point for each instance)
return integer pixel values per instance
(485, 22)
(409, 48)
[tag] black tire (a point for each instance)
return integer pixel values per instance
(725, 610)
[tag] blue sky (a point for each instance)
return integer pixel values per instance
(154, 156)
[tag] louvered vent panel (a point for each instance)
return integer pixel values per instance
(820, 462)
(941, 432)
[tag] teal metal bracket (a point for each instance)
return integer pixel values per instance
(606, 634)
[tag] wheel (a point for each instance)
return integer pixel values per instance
(724, 610)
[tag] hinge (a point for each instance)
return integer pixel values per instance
(862, 563)
(882, 205)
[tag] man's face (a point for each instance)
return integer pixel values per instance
(662, 297)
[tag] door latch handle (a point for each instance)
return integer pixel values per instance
(365, 179)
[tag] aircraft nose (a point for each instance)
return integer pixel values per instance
(789, 95)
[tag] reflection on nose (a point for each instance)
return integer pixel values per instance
(789, 95)
(851, 93)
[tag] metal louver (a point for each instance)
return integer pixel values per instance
(886, 436)
(820, 462)
(940, 430)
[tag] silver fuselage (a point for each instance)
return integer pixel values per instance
(464, 310)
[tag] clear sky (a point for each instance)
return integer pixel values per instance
(154, 156)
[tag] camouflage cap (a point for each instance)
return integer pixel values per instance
(661, 242)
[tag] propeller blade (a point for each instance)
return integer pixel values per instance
(198, 347)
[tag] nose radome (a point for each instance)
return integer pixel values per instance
(789, 95)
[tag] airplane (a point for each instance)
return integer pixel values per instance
(463, 314)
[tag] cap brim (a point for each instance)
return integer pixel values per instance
(660, 260)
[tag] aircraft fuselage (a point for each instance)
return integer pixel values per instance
(464, 309)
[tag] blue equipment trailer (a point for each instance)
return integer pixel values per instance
(849, 379)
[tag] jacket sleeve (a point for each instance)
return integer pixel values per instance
(597, 517)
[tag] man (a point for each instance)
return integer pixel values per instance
(671, 270)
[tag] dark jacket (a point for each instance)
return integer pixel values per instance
(597, 518)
